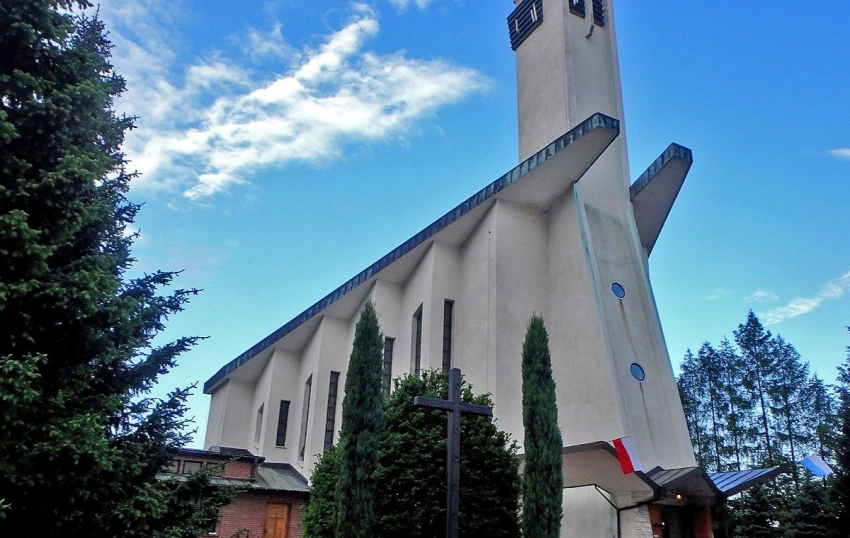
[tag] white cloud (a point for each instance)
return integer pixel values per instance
(803, 305)
(761, 296)
(841, 153)
(717, 294)
(224, 122)
(402, 4)
(259, 44)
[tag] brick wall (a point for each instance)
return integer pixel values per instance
(238, 469)
(246, 516)
(232, 469)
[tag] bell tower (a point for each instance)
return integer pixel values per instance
(567, 67)
(610, 361)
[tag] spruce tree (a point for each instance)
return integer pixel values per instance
(753, 341)
(360, 434)
(757, 514)
(809, 514)
(80, 440)
(542, 485)
(841, 487)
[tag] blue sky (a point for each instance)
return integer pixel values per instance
(286, 145)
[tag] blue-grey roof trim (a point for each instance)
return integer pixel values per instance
(733, 482)
(597, 121)
(672, 151)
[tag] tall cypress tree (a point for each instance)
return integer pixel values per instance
(80, 441)
(543, 482)
(360, 435)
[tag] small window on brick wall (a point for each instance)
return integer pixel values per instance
(190, 467)
(215, 469)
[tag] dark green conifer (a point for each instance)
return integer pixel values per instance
(841, 487)
(542, 487)
(360, 434)
(809, 514)
(320, 515)
(757, 514)
(80, 441)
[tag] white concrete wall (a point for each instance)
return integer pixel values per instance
(215, 419)
(283, 386)
(521, 275)
(416, 291)
(445, 283)
(387, 298)
(651, 409)
(587, 514)
(588, 406)
(308, 368)
(234, 423)
(475, 320)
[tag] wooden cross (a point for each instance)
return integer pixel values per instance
(455, 407)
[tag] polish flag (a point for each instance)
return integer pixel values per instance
(627, 454)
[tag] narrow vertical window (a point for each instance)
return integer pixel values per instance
(387, 374)
(417, 341)
(330, 420)
(258, 428)
(448, 308)
(305, 416)
(282, 421)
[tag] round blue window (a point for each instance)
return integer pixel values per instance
(618, 290)
(637, 371)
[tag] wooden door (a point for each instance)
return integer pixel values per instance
(656, 520)
(277, 520)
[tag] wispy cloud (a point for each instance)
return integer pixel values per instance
(761, 296)
(841, 153)
(718, 293)
(402, 4)
(225, 122)
(803, 305)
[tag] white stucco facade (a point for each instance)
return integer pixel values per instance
(550, 237)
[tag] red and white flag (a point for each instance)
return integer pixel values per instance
(627, 454)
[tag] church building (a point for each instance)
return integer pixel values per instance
(564, 234)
